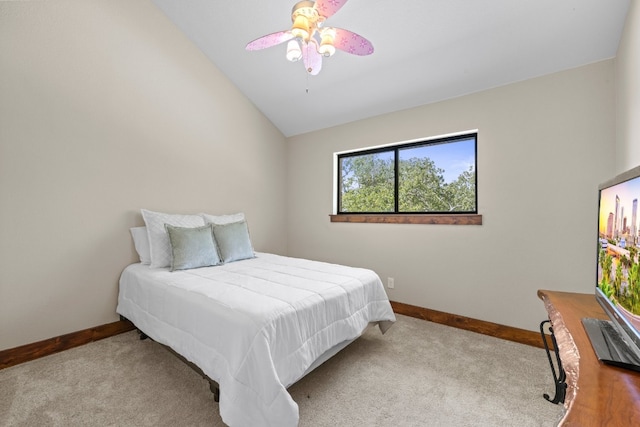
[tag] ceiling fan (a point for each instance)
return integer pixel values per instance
(310, 40)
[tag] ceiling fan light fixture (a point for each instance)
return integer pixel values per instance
(327, 37)
(300, 28)
(294, 53)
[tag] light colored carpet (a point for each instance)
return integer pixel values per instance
(418, 374)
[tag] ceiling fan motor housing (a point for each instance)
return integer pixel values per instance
(305, 18)
(306, 8)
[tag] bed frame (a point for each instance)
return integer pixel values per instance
(215, 387)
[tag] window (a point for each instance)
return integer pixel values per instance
(436, 176)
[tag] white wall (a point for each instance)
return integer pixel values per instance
(628, 93)
(106, 108)
(543, 147)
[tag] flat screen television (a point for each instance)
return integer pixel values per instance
(617, 341)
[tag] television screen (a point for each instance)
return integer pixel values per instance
(618, 269)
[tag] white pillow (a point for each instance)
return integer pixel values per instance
(141, 242)
(159, 245)
(222, 219)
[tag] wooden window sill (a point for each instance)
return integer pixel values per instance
(450, 219)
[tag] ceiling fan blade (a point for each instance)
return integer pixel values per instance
(352, 43)
(327, 8)
(312, 59)
(270, 40)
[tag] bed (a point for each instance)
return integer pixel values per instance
(254, 325)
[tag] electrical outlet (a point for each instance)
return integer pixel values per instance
(391, 283)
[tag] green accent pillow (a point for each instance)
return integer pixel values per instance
(192, 247)
(233, 241)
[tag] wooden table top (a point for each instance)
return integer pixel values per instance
(597, 394)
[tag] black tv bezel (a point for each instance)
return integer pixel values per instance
(609, 308)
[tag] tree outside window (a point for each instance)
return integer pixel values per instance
(433, 176)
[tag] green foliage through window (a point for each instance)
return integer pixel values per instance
(435, 176)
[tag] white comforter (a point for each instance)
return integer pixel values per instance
(254, 326)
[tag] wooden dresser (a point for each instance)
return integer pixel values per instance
(597, 394)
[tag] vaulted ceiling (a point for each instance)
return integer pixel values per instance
(425, 51)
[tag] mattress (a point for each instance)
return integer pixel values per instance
(254, 326)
